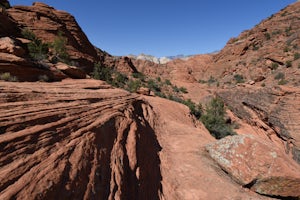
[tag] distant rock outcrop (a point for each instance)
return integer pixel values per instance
(270, 47)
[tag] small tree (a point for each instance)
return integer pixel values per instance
(214, 119)
(239, 78)
(37, 49)
(101, 72)
(59, 48)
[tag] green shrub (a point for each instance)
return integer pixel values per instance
(183, 90)
(152, 85)
(288, 64)
(202, 81)
(296, 56)
(195, 110)
(282, 82)
(168, 82)
(274, 66)
(214, 119)
(119, 80)
(133, 85)
(102, 72)
(175, 89)
(239, 78)
(8, 77)
(59, 49)
(211, 80)
(138, 75)
(286, 49)
(279, 75)
(37, 49)
(267, 36)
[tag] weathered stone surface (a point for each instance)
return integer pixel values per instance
(46, 22)
(275, 110)
(8, 45)
(71, 71)
(144, 91)
(8, 27)
(257, 164)
(82, 139)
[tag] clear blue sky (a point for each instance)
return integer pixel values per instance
(164, 27)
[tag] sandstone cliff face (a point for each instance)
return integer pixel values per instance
(260, 53)
(274, 110)
(46, 22)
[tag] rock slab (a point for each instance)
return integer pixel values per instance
(257, 164)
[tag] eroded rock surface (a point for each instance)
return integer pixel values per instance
(82, 139)
(257, 164)
(274, 110)
(46, 22)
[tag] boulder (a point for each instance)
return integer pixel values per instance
(8, 45)
(144, 91)
(257, 164)
(71, 71)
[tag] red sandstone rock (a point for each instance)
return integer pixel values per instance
(257, 164)
(82, 139)
(7, 45)
(46, 22)
(71, 71)
(144, 91)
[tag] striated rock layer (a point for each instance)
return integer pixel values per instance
(273, 110)
(82, 139)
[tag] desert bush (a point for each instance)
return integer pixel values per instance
(175, 89)
(274, 66)
(279, 75)
(152, 85)
(183, 90)
(8, 77)
(296, 56)
(168, 82)
(119, 80)
(138, 75)
(239, 78)
(286, 49)
(282, 82)
(214, 119)
(267, 36)
(102, 72)
(195, 110)
(211, 80)
(59, 49)
(133, 85)
(37, 49)
(288, 64)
